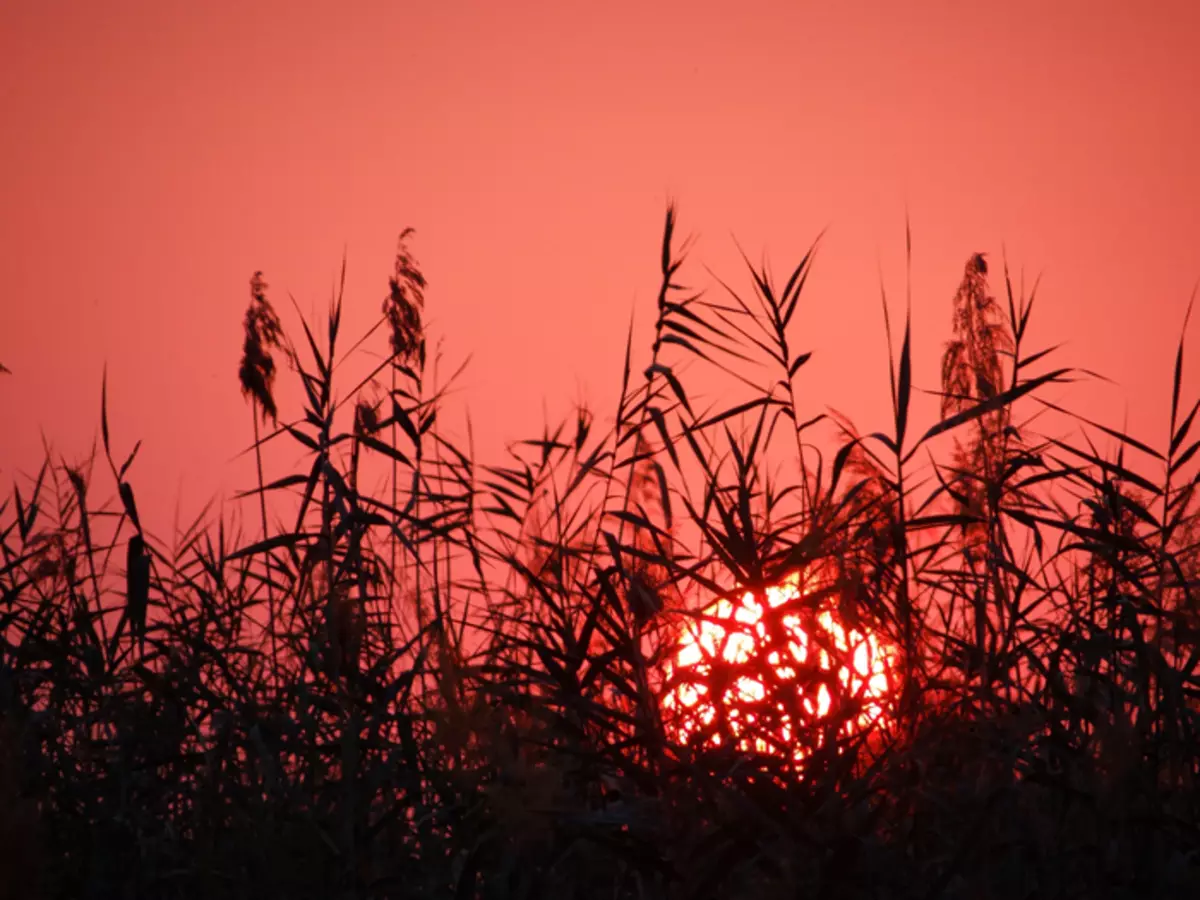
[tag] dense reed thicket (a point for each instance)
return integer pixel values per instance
(459, 682)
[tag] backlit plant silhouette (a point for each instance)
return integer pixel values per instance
(669, 649)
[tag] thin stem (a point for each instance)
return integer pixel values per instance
(395, 493)
(262, 506)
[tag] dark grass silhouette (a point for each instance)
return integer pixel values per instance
(455, 688)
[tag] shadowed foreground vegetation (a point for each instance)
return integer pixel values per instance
(410, 674)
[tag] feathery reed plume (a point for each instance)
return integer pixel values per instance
(972, 373)
(971, 365)
(262, 328)
(257, 375)
(404, 304)
(403, 307)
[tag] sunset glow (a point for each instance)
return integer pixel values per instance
(777, 671)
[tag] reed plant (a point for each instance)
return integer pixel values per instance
(467, 680)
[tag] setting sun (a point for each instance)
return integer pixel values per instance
(775, 670)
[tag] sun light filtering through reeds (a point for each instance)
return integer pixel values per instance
(676, 648)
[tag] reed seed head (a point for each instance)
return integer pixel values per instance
(405, 304)
(262, 333)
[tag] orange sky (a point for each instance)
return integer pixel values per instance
(156, 154)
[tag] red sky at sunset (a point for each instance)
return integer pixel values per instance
(156, 154)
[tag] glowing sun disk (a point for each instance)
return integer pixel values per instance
(734, 641)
